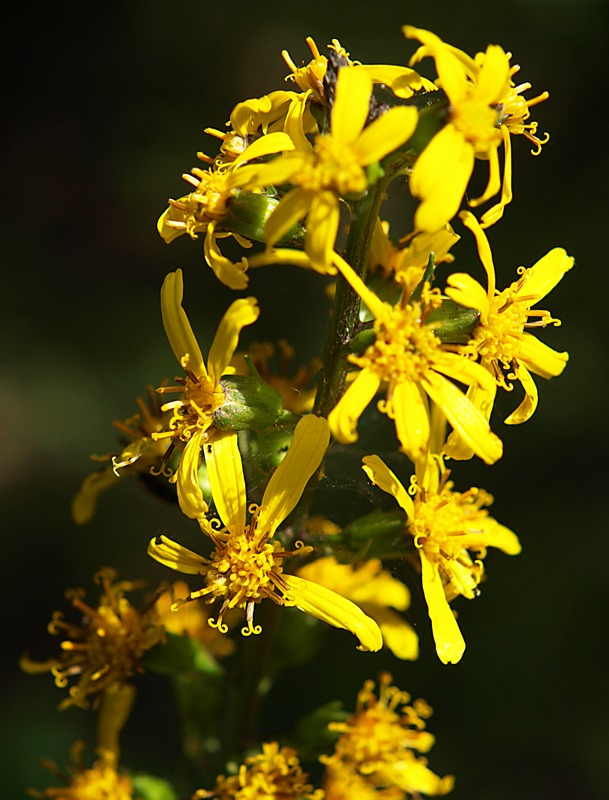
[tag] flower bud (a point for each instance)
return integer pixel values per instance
(250, 403)
(453, 323)
(247, 214)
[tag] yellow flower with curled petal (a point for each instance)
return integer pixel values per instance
(451, 531)
(310, 77)
(376, 592)
(502, 339)
(333, 167)
(273, 774)
(204, 209)
(414, 365)
(202, 395)
(379, 742)
(246, 565)
(485, 108)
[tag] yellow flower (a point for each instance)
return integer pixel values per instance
(376, 592)
(333, 167)
(274, 774)
(407, 262)
(102, 780)
(380, 740)
(310, 78)
(447, 528)
(141, 455)
(246, 564)
(485, 108)
(415, 366)
(106, 647)
(202, 394)
(502, 340)
(204, 209)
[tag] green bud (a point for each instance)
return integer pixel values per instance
(453, 323)
(149, 787)
(248, 212)
(250, 403)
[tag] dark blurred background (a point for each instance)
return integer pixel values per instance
(105, 106)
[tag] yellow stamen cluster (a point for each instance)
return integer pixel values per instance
(498, 340)
(514, 112)
(334, 166)
(106, 648)
(379, 740)
(244, 569)
(101, 781)
(274, 774)
(439, 525)
(405, 349)
(192, 213)
(201, 398)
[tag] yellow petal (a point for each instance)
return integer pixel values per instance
(345, 415)
(410, 410)
(285, 488)
(226, 479)
(380, 474)
(398, 635)
(466, 291)
(176, 324)
(450, 644)
(242, 312)
(351, 104)
(484, 249)
(465, 370)
(464, 417)
(483, 400)
(291, 209)
(385, 134)
(264, 146)
(376, 306)
(230, 274)
(173, 555)
(190, 496)
(85, 500)
(494, 77)
(322, 226)
(526, 409)
(539, 358)
(330, 607)
(402, 81)
(440, 176)
(546, 273)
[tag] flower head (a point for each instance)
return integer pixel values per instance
(379, 742)
(102, 780)
(192, 415)
(485, 109)
(503, 340)
(410, 360)
(246, 565)
(105, 648)
(205, 208)
(274, 774)
(452, 532)
(333, 167)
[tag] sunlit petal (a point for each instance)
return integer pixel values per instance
(226, 479)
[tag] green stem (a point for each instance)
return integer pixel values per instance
(345, 314)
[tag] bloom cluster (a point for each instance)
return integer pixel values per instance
(240, 439)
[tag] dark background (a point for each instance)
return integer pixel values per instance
(105, 106)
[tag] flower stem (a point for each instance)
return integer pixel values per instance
(345, 314)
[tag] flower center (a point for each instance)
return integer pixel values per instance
(194, 412)
(404, 348)
(478, 123)
(333, 166)
(439, 525)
